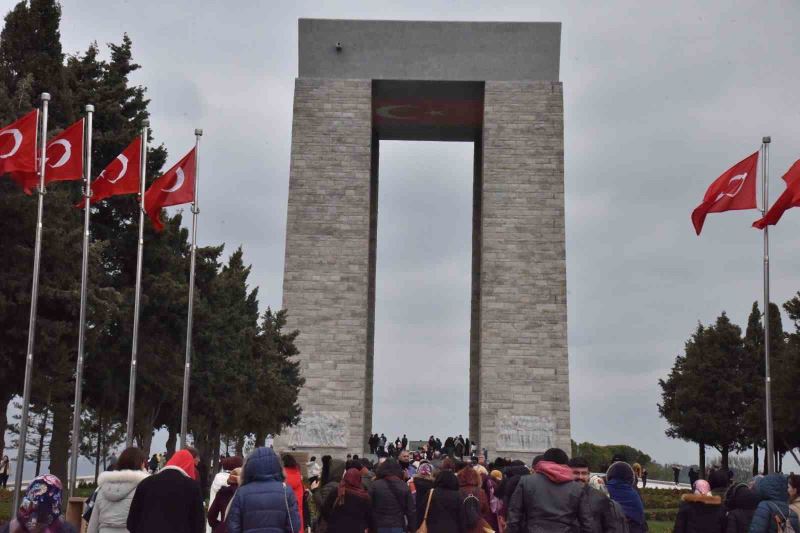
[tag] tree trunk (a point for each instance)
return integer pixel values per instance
(240, 446)
(702, 461)
(766, 456)
(755, 459)
(8, 397)
(725, 453)
(40, 446)
(59, 440)
(261, 439)
(99, 448)
(172, 439)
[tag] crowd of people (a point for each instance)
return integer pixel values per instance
(404, 492)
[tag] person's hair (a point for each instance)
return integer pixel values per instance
(313, 458)
(719, 479)
(192, 450)
(578, 462)
(535, 462)
(131, 459)
(352, 463)
(556, 455)
(289, 461)
(794, 482)
(365, 463)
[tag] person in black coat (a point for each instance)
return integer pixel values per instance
(423, 482)
(170, 501)
(393, 504)
(741, 503)
(218, 508)
(446, 511)
(703, 512)
(347, 509)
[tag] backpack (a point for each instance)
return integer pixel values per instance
(472, 511)
(782, 523)
(617, 517)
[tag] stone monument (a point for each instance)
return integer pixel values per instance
(496, 85)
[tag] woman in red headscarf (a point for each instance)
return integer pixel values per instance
(347, 510)
(170, 501)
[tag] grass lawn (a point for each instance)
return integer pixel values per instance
(660, 527)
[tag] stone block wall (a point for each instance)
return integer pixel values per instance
(524, 381)
(326, 286)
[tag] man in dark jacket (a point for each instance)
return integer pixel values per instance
(550, 500)
(170, 501)
(263, 503)
(604, 517)
(393, 505)
(740, 503)
(704, 513)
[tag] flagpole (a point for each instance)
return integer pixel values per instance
(37, 255)
(187, 371)
(76, 410)
(138, 293)
(767, 379)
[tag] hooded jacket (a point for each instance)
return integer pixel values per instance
(335, 474)
(170, 501)
(263, 503)
(393, 504)
(549, 500)
(113, 503)
(771, 491)
(446, 512)
(700, 513)
(741, 503)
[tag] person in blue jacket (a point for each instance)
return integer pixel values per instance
(772, 491)
(263, 503)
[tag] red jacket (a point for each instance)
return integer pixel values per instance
(295, 481)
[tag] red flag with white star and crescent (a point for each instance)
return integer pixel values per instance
(790, 198)
(64, 160)
(121, 176)
(18, 147)
(174, 187)
(734, 189)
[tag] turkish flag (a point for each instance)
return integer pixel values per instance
(121, 176)
(18, 147)
(174, 187)
(735, 189)
(64, 159)
(790, 198)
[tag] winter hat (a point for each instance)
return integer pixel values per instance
(233, 479)
(41, 505)
(556, 455)
(230, 463)
(621, 471)
(597, 483)
(184, 461)
(496, 474)
(702, 487)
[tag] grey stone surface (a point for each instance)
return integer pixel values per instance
(429, 50)
(519, 372)
(524, 368)
(327, 269)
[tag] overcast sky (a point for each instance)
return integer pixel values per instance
(659, 100)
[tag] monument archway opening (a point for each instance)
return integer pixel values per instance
(495, 85)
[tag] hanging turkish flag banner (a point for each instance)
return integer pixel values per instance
(174, 187)
(64, 159)
(18, 147)
(121, 176)
(790, 198)
(734, 189)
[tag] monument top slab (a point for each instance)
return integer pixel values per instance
(429, 50)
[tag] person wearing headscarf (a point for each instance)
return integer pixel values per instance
(740, 503)
(220, 480)
(170, 501)
(702, 511)
(491, 483)
(446, 511)
(347, 509)
(772, 491)
(263, 503)
(219, 506)
(393, 505)
(40, 510)
(423, 481)
(115, 492)
(620, 481)
(294, 479)
(469, 482)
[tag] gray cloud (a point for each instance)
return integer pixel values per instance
(659, 100)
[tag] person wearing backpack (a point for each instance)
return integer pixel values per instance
(773, 514)
(606, 516)
(474, 500)
(550, 499)
(393, 506)
(741, 503)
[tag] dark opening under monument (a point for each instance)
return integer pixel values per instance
(495, 84)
